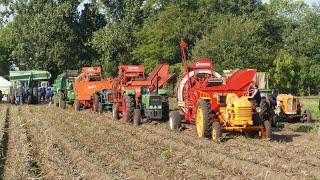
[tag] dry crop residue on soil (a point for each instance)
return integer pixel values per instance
(63, 144)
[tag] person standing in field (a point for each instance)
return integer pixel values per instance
(19, 94)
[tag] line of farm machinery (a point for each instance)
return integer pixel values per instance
(214, 103)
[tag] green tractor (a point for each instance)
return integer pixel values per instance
(30, 81)
(64, 93)
(156, 105)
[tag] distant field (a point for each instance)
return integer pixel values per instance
(312, 103)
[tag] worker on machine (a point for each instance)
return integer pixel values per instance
(264, 108)
(256, 96)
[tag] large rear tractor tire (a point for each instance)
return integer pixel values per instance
(174, 120)
(307, 116)
(165, 108)
(96, 101)
(129, 108)
(267, 132)
(137, 117)
(203, 118)
(115, 113)
(216, 131)
(77, 105)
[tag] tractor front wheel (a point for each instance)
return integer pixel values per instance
(174, 120)
(203, 118)
(216, 131)
(115, 113)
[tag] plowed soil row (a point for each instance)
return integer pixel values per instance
(69, 145)
(20, 162)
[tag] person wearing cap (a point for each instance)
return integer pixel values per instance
(256, 96)
(264, 107)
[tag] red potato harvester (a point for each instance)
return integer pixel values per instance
(88, 87)
(216, 105)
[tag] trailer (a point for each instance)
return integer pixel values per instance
(30, 81)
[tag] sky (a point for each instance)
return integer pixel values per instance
(81, 6)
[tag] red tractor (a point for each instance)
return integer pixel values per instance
(216, 104)
(89, 88)
(136, 96)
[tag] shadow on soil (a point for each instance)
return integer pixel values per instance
(284, 138)
(4, 144)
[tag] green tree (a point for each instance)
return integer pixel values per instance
(235, 42)
(115, 42)
(44, 34)
(90, 21)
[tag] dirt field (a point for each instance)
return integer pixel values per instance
(49, 143)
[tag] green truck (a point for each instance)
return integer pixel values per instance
(63, 89)
(30, 81)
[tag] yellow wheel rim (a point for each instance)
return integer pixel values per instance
(214, 134)
(200, 122)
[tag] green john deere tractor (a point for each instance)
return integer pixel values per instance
(64, 93)
(156, 105)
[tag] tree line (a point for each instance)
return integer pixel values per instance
(281, 37)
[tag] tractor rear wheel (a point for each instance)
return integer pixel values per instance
(129, 108)
(174, 120)
(165, 108)
(115, 113)
(307, 116)
(216, 131)
(267, 132)
(95, 102)
(203, 118)
(77, 105)
(137, 117)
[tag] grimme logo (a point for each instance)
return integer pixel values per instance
(91, 87)
(201, 64)
(133, 67)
